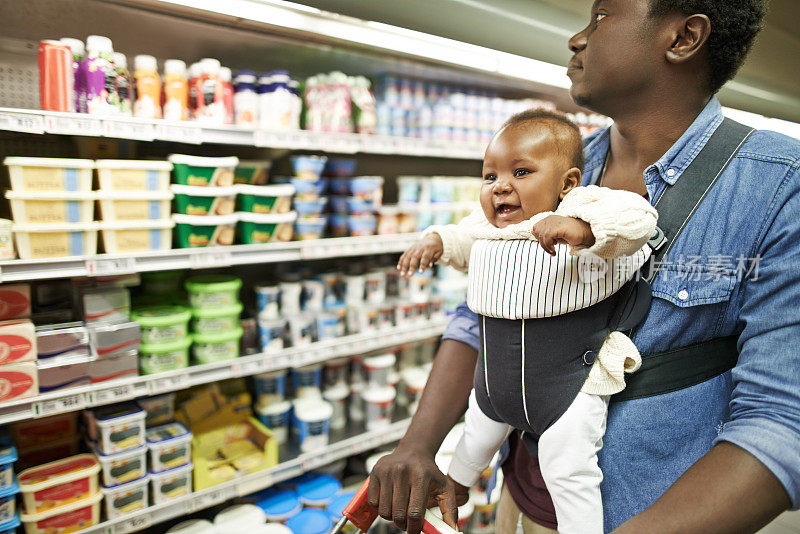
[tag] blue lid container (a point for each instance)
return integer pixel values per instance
(280, 505)
(10, 526)
(337, 505)
(310, 521)
(318, 491)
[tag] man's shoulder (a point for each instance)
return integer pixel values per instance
(773, 147)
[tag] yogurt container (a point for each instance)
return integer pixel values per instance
(133, 175)
(137, 236)
(162, 324)
(162, 357)
(310, 521)
(375, 287)
(310, 208)
(301, 328)
(337, 397)
(268, 302)
(216, 347)
(307, 380)
(313, 295)
(160, 409)
(355, 289)
(307, 189)
(49, 174)
(8, 455)
(356, 206)
(308, 167)
(388, 220)
(318, 491)
(204, 231)
(339, 204)
(203, 201)
(252, 172)
(239, 518)
(275, 416)
(170, 446)
(377, 368)
(51, 207)
(213, 290)
(257, 228)
(123, 467)
(327, 326)
(71, 517)
(126, 498)
(379, 406)
(217, 319)
(362, 225)
(368, 189)
(309, 228)
(274, 335)
(340, 167)
(203, 171)
(134, 205)
(59, 483)
(415, 379)
(312, 423)
(116, 428)
(279, 505)
(270, 388)
(193, 526)
(265, 198)
(335, 372)
(339, 224)
(172, 484)
(291, 297)
(8, 504)
(39, 241)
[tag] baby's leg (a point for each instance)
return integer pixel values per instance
(568, 460)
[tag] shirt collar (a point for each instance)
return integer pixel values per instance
(671, 165)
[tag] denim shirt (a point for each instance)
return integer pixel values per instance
(734, 270)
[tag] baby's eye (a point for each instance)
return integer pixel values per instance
(521, 172)
(490, 177)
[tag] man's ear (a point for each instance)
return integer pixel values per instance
(689, 35)
(572, 179)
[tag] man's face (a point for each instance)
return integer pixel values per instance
(614, 56)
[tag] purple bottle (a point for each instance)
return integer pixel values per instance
(79, 85)
(101, 77)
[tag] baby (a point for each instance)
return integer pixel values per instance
(550, 357)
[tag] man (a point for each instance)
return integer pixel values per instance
(719, 456)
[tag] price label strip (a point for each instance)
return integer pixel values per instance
(109, 267)
(172, 383)
(110, 395)
(206, 259)
(76, 125)
(207, 500)
(129, 130)
(133, 524)
(21, 122)
(179, 134)
(70, 403)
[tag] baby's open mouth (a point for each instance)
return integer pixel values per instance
(503, 210)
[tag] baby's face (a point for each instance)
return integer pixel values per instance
(523, 174)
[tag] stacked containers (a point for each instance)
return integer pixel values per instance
(64, 356)
(52, 205)
(170, 461)
(165, 338)
(309, 202)
(215, 307)
(205, 200)
(134, 201)
(18, 355)
(264, 210)
(9, 519)
(356, 204)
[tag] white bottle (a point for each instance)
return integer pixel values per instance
(245, 99)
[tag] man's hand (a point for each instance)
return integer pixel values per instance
(421, 255)
(404, 484)
(556, 229)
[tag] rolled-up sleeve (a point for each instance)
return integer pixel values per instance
(765, 405)
(463, 327)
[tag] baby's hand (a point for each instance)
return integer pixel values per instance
(422, 254)
(555, 229)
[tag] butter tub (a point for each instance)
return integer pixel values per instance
(136, 236)
(203, 171)
(51, 207)
(204, 231)
(204, 201)
(171, 484)
(122, 467)
(265, 198)
(134, 205)
(252, 172)
(133, 175)
(49, 174)
(126, 498)
(265, 228)
(39, 241)
(170, 447)
(68, 518)
(56, 484)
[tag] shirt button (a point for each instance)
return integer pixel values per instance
(670, 172)
(683, 294)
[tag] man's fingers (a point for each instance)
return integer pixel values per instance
(385, 501)
(417, 504)
(426, 260)
(374, 490)
(400, 498)
(448, 506)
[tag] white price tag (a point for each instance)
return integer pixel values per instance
(21, 122)
(179, 134)
(207, 500)
(64, 404)
(110, 267)
(172, 383)
(129, 130)
(74, 125)
(248, 368)
(211, 257)
(133, 524)
(109, 395)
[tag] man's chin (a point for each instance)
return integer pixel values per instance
(579, 96)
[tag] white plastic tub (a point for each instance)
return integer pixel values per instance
(51, 207)
(134, 205)
(136, 236)
(49, 174)
(172, 484)
(312, 418)
(126, 498)
(123, 467)
(379, 406)
(377, 368)
(170, 446)
(37, 241)
(116, 428)
(69, 518)
(133, 175)
(239, 518)
(59, 483)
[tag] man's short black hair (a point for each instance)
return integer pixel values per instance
(734, 26)
(566, 133)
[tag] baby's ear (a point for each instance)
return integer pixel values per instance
(572, 179)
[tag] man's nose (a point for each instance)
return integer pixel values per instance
(577, 42)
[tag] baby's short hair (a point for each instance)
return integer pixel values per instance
(567, 134)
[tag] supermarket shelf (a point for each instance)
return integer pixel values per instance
(202, 258)
(41, 122)
(141, 386)
(355, 444)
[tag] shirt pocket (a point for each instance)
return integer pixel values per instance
(685, 287)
